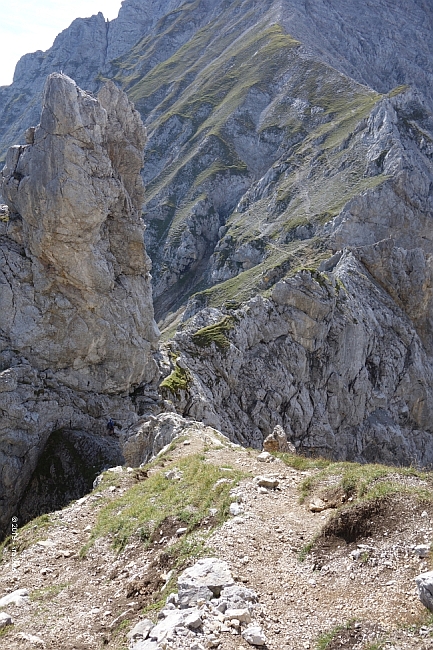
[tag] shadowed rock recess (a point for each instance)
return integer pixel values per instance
(288, 168)
(76, 319)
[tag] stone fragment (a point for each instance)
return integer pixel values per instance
(31, 638)
(115, 470)
(165, 627)
(193, 620)
(422, 550)
(424, 583)
(242, 615)
(205, 579)
(267, 482)
(173, 475)
(254, 635)
(146, 645)
(141, 630)
(236, 509)
(237, 597)
(46, 543)
(265, 457)
(5, 620)
(277, 442)
(18, 597)
(317, 505)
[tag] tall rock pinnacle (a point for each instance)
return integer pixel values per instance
(77, 332)
(76, 186)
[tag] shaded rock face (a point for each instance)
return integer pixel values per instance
(65, 471)
(333, 357)
(77, 333)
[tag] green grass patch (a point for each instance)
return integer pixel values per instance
(32, 532)
(216, 334)
(48, 593)
(325, 639)
(145, 506)
(361, 481)
(179, 379)
(5, 631)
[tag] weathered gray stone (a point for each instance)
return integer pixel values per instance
(141, 630)
(424, 583)
(5, 620)
(242, 615)
(204, 580)
(18, 597)
(254, 635)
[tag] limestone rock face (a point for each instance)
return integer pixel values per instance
(76, 194)
(77, 333)
(333, 357)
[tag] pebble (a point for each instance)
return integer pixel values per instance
(422, 550)
(267, 482)
(236, 509)
(265, 457)
(5, 620)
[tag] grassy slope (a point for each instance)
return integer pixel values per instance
(196, 99)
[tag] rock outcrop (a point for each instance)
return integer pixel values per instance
(77, 333)
(333, 357)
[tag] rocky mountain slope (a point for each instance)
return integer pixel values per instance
(301, 575)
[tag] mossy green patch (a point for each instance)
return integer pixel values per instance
(178, 380)
(49, 592)
(361, 481)
(32, 532)
(216, 334)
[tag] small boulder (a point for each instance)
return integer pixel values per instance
(141, 630)
(277, 441)
(236, 509)
(317, 505)
(254, 635)
(18, 597)
(173, 475)
(267, 482)
(204, 580)
(422, 550)
(265, 457)
(193, 620)
(5, 620)
(242, 615)
(173, 619)
(424, 583)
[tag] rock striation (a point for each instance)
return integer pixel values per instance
(335, 357)
(77, 333)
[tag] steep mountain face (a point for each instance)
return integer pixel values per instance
(288, 172)
(339, 357)
(76, 323)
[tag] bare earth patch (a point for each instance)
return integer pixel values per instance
(354, 588)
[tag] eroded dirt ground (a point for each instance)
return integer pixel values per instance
(357, 581)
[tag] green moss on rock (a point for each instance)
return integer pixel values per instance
(178, 380)
(216, 333)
